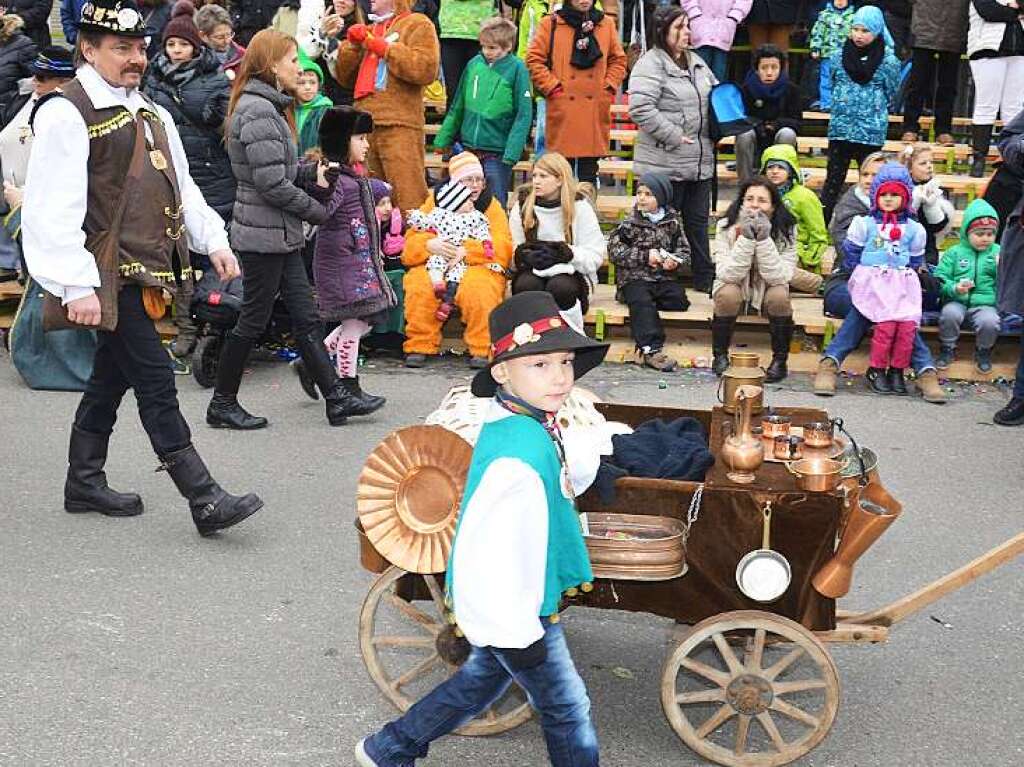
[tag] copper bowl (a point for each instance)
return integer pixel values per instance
(816, 475)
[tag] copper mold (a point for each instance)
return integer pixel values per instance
(409, 494)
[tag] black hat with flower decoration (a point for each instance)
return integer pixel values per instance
(113, 17)
(529, 323)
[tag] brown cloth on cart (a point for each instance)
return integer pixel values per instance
(730, 525)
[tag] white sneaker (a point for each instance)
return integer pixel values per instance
(362, 758)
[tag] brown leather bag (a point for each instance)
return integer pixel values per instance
(105, 247)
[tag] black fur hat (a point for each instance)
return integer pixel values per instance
(338, 126)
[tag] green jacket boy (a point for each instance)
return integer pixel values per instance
(962, 262)
(811, 232)
(492, 110)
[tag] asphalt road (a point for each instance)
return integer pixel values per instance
(135, 642)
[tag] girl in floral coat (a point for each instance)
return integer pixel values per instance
(353, 290)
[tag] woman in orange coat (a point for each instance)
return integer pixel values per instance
(576, 61)
(482, 287)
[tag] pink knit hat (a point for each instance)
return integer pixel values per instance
(463, 165)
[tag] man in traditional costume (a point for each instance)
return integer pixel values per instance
(110, 212)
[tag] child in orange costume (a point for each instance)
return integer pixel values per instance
(483, 286)
(387, 64)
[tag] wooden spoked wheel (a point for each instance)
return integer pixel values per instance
(407, 648)
(750, 689)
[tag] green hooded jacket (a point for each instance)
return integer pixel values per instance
(811, 232)
(964, 262)
(492, 109)
(309, 115)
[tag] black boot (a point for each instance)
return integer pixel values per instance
(781, 329)
(224, 412)
(213, 508)
(86, 486)
(340, 402)
(981, 138)
(897, 383)
(878, 380)
(721, 337)
(1012, 414)
(369, 403)
(305, 379)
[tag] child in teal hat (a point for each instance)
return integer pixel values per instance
(310, 103)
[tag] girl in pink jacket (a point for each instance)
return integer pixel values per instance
(712, 27)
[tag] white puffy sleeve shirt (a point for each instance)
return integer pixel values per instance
(500, 555)
(57, 184)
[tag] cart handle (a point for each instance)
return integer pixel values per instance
(912, 603)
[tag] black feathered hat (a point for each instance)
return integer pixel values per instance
(529, 323)
(113, 17)
(338, 126)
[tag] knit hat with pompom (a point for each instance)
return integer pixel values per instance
(182, 26)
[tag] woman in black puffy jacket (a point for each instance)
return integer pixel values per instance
(195, 92)
(17, 53)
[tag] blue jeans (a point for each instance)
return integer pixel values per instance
(855, 327)
(554, 688)
(497, 173)
(716, 59)
(825, 85)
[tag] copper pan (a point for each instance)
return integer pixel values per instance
(816, 475)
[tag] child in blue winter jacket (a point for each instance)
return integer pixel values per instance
(865, 76)
(883, 250)
(828, 34)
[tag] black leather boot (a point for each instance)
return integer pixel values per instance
(981, 138)
(369, 403)
(305, 379)
(85, 488)
(878, 380)
(340, 402)
(213, 508)
(721, 337)
(781, 329)
(897, 383)
(224, 412)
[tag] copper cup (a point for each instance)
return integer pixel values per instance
(818, 434)
(775, 426)
(788, 448)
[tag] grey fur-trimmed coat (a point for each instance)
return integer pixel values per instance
(271, 202)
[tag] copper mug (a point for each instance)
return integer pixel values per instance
(788, 448)
(775, 426)
(819, 434)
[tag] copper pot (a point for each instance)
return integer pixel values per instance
(819, 434)
(775, 426)
(816, 475)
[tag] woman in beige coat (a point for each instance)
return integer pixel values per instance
(577, 63)
(754, 252)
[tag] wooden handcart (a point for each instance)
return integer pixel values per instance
(745, 683)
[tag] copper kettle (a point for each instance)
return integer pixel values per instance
(744, 370)
(743, 452)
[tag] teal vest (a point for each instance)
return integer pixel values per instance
(521, 437)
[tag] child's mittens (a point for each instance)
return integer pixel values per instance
(488, 250)
(393, 245)
(527, 657)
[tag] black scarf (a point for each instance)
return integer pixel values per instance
(585, 50)
(860, 63)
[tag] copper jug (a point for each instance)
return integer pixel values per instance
(744, 370)
(743, 452)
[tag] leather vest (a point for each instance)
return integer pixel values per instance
(153, 247)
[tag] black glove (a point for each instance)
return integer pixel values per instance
(525, 255)
(332, 174)
(526, 658)
(929, 282)
(551, 253)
